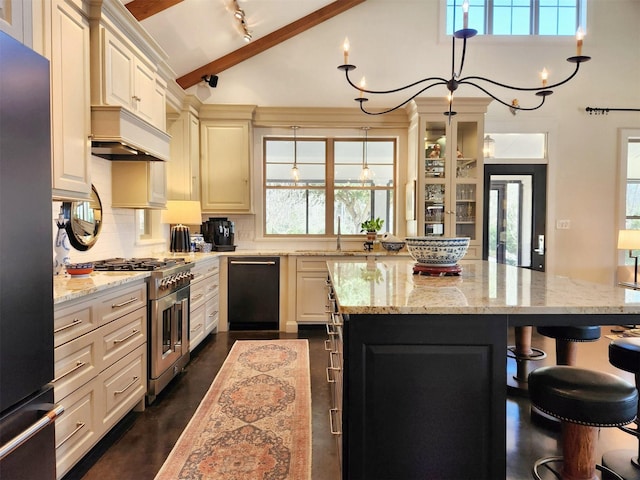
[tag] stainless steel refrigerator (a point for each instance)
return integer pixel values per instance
(27, 412)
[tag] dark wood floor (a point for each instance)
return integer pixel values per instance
(137, 447)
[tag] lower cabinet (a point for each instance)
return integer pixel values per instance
(311, 290)
(204, 298)
(100, 366)
(334, 347)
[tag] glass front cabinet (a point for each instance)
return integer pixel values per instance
(450, 170)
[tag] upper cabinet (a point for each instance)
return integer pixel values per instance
(137, 184)
(15, 20)
(225, 170)
(67, 47)
(124, 64)
(450, 170)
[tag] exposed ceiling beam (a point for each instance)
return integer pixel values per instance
(264, 43)
(142, 9)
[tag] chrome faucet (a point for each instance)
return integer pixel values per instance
(338, 247)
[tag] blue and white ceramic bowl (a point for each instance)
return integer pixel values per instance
(437, 251)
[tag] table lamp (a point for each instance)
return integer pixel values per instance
(179, 214)
(630, 240)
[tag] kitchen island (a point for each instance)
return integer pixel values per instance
(424, 360)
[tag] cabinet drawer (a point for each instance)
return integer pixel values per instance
(196, 327)
(212, 286)
(212, 315)
(197, 295)
(317, 264)
(205, 269)
(72, 321)
(78, 429)
(122, 335)
(123, 385)
(76, 362)
(119, 302)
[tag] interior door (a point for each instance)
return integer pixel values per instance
(515, 214)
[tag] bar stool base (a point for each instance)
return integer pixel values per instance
(621, 462)
(607, 473)
(518, 383)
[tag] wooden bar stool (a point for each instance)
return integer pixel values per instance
(567, 339)
(583, 400)
(624, 353)
(523, 354)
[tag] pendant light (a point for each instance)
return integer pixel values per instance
(365, 175)
(295, 174)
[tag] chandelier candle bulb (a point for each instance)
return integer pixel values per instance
(363, 84)
(345, 48)
(544, 75)
(579, 39)
(465, 14)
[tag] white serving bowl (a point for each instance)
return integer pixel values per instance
(437, 251)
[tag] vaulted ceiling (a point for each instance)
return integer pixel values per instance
(202, 37)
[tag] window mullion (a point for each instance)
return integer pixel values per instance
(330, 194)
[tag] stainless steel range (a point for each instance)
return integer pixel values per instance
(168, 315)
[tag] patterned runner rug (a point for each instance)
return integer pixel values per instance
(255, 420)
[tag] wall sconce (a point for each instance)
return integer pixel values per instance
(212, 80)
(179, 214)
(630, 240)
(489, 149)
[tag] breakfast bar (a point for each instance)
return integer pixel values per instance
(424, 365)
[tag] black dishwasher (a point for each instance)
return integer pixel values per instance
(253, 293)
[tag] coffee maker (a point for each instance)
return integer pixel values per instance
(219, 232)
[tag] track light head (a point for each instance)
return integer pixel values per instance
(212, 80)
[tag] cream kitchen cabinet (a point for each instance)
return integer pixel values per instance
(225, 169)
(183, 169)
(67, 47)
(312, 301)
(100, 366)
(204, 300)
(124, 61)
(138, 184)
(450, 170)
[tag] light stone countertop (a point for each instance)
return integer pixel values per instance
(67, 287)
(389, 286)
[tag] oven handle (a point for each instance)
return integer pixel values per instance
(27, 434)
(182, 307)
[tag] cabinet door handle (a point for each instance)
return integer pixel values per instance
(327, 344)
(79, 365)
(329, 331)
(332, 412)
(74, 322)
(196, 297)
(329, 379)
(334, 321)
(198, 327)
(120, 340)
(126, 302)
(129, 385)
(79, 426)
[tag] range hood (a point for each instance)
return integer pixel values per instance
(118, 134)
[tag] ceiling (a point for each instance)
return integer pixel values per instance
(203, 37)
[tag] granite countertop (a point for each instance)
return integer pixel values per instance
(67, 287)
(389, 286)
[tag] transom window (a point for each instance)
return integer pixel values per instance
(519, 17)
(330, 184)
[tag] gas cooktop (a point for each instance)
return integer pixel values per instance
(137, 264)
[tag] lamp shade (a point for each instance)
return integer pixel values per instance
(629, 240)
(186, 212)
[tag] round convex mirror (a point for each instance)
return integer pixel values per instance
(84, 221)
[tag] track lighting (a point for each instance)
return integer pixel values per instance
(212, 80)
(240, 16)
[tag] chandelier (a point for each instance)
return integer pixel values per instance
(456, 79)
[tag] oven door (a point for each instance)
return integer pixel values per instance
(169, 329)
